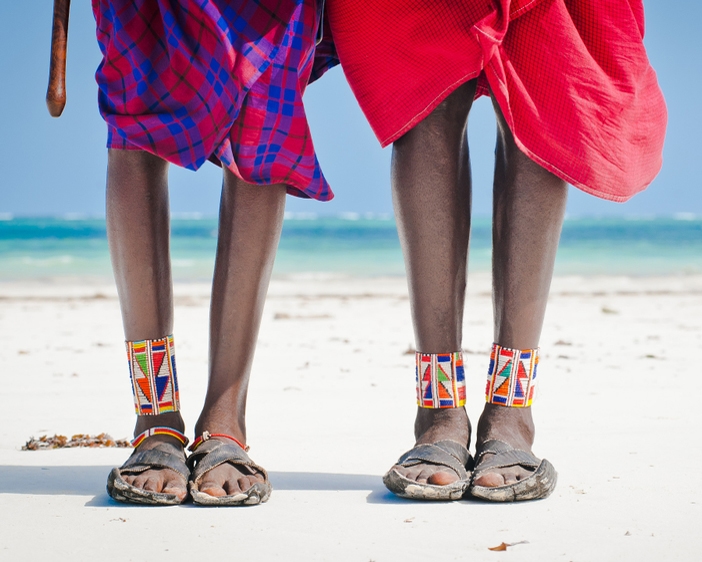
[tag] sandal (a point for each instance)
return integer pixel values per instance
(442, 453)
(538, 485)
(163, 455)
(208, 454)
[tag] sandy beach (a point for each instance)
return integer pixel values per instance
(330, 409)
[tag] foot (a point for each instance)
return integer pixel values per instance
(515, 427)
(229, 480)
(161, 480)
(431, 426)
(226, 479)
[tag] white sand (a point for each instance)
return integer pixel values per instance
(331, 408)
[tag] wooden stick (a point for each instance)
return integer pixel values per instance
(56, 92)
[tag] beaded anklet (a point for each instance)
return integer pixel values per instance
(206, 436)
(441, 382)
(159, 431)
(511, 379)
(152, 369)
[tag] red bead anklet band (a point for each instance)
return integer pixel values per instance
(206, 436)
(159, 431)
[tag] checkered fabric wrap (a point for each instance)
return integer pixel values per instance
(511, 379)
(441, 381)
(572, 78)
(152, 369)
(213, 79)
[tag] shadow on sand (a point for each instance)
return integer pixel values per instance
(90, 481)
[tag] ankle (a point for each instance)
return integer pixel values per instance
(513, 425)
(171, 419)
(214, 427)
(431, 425)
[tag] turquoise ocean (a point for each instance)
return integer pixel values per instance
(76, 247)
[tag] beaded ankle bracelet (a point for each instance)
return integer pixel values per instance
(152, 369)
(511, 379)
(441, 382)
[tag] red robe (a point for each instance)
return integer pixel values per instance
(571, 77)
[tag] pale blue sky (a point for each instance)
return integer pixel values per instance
(57, 166)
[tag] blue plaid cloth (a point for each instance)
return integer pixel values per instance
(214, 79)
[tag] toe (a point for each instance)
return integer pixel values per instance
(153, 484)
(227, 480)
(490, 480)
(213, 483)
(442, 478)
(139, 480)
(245, 483)
(503, 477)
(212, 489)
(422, 476)
(522, 474)
(233, 486)
(175, 484)
(429, 474)
(425, 474)
(410, 473)
(176, 489)
(511, 476)
(131, 480)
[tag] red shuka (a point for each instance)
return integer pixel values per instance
(571, 77)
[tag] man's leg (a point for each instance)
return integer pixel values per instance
(529, 206)
(138, 236)
(250, 222)
(432, 196)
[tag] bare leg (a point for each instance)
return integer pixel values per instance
(138, 235)
(250, 221)
(528, 211)
(432, 196)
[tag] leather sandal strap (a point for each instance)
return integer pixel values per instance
(504, 455)
(163, 455)
(213, 453)
(443, 453)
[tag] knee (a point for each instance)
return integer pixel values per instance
(136, 173)
(136, 161)
(457, 104)
(449, 117)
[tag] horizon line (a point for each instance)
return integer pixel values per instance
(346, 215)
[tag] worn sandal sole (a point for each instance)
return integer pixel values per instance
(213, 453)
(162, 456)
(258, 493)
(120, 490)
(445, 453)
(538, 485)
(406, 488)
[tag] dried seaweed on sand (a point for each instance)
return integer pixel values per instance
(79, 440)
